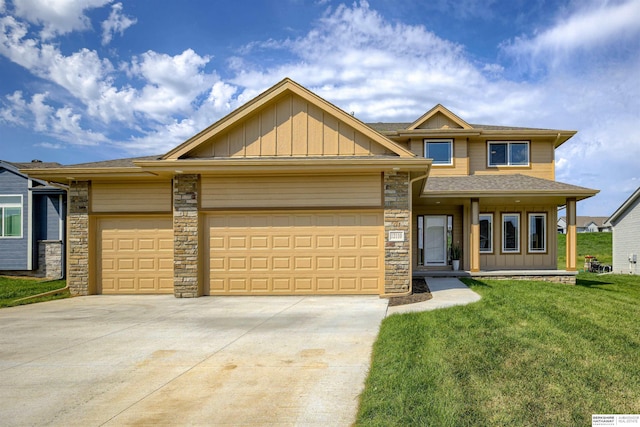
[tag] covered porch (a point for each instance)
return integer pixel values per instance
(503, 226)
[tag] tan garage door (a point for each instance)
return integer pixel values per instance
(135, 256)
(333, 252)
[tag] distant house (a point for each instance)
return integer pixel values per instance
(626, 235)
(32, 222)
(586, 224)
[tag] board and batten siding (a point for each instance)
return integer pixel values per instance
(292, 191)
(524, 259)
(626, 240)
(289, 127)
(131, 197)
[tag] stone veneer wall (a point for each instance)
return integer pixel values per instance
(185, 232)
(50, 259)
(397, 218)
(78, 229)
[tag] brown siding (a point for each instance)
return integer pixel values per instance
(439, 121)
(541, 160)
(290, 127)
(523, 260)
(284, 191)
(129, 197)
(460, 157)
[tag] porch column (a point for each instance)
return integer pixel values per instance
(475, 235)
(571, 235)
(185, 236)
(397, 220)
(78, 247)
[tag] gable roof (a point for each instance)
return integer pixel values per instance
(269, 96)
(439, 109)
(613, 219)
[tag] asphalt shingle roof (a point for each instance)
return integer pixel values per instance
(497, 184)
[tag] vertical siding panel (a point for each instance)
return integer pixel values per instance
(268, 132)
(330, 135)
(299, 130)
(346, 140)
(283, 127)
(315, 130)
(361, 145)
(252, 136)
(236, 142)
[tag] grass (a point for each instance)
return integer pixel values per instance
(527, 354)
(13, 288)
(595, 244)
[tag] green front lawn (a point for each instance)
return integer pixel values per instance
(13, 288)
(527, 354)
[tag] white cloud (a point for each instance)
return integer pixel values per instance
(57, 16)
(172, 82)
(2, 6)
(116, 23)
(588, 28)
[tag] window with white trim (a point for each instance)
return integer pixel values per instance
(11, 216)
(440, 150)
(511, 232)
(486, 233)
(537, 232)
(508, 153)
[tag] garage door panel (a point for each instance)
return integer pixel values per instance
(330, 252)
(135, 255)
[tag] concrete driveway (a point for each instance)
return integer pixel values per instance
(147, 360)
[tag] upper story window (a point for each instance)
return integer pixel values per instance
(440, 150)
(508, 153)
(10, 216)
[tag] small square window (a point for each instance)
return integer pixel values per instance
(440, 150)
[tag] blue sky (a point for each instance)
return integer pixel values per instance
(90, 80)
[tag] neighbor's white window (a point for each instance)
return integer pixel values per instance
(508, 153)
(440, 150)
(486, 233)
(537, 232)
(511, 232)
(11, 216)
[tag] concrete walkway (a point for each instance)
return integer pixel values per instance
(446, 292)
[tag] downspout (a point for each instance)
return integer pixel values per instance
(44, 294)
(30, 246)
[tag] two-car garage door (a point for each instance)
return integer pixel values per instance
(326, 252)
(259, 253)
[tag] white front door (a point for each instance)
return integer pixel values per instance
(435, 239)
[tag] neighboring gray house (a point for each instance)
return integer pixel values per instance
(626, 235)
(32, 222)
(586, 224)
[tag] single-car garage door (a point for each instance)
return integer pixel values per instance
(328, 252)
(135, 255)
